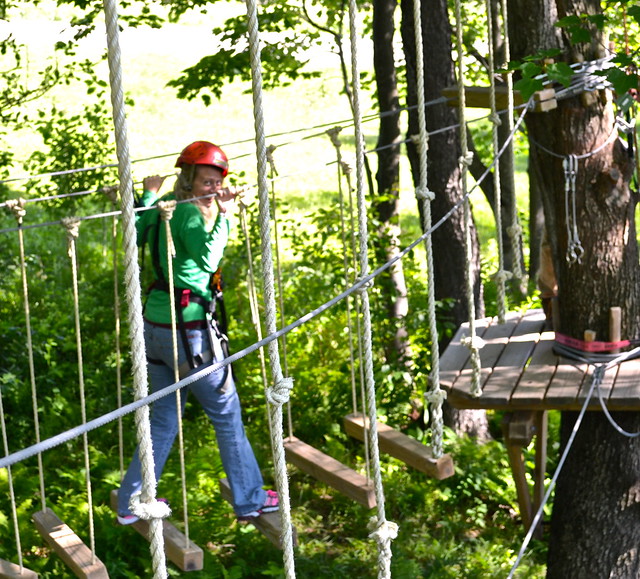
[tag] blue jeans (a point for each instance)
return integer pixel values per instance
(217, 394)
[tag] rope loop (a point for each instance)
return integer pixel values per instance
(515, 229)
(419, 142)
(147, 511)
(17, 207)
(473, 343)
(466, 160)
(270, 150)
(495, 119)
(333, 135)
(278, 395)
(111, 191)
(424, 193)
(435, 397)
(166, 209)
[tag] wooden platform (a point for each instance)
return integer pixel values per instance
(268, 523)
(330, 471)
(68, 546)
(10, 570)
(520, 371)
(185, 555)
(402, 447)
(479, 97)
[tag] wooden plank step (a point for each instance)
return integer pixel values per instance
(10, 570)
(68, 546)
(479, 97)
(185, 555)
(402, 447)
(330, 471)
(269, 524)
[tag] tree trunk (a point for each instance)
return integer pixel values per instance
(387, 177)
(443, 177)
(595, 528)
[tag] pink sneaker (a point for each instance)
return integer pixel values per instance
(271, 505)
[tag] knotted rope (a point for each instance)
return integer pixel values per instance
(436, 395)
(465, 162)
(384, 554)
(132, 283)
(275, 410)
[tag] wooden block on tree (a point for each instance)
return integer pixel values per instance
(330, 471)
(268, 524)
(68, 546)
(402, 447)
(10, 570)
(185, 555)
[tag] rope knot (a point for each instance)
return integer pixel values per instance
(111, 191)
(270, 160)
(473, 343)
(347, 168)
(278, 395)
(425, 194)
(435, 397)
(17, 207)
(333, 135)
(72, 225)
(366, 285)
(503, 276)
(495, 119)
(515, 229)
(166, 209)
(467, 159)
(383, 532)
(147, 511)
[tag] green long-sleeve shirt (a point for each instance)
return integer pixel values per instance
(198, 252)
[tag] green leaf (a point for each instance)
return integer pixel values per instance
(528, 86)
(560, 72)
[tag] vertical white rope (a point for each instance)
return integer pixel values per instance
(72, 225)
(383, 531)
(132, 283)
(465, 160)
(435, 396)
(501, 275)
(278, 394)
(276, 245)
(515, 229)
(17, 206)
(166, 209)
(12, 496)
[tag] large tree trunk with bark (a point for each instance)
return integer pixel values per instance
(388, 174)
(443, 177)
(595, 525)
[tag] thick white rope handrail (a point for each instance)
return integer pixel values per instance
(435, 396)
(465, 161)
(72, 227)
(501, 276)
(279, 392)
(72, 433)
(132, 283)
(383, 531)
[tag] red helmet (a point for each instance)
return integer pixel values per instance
(204, 153)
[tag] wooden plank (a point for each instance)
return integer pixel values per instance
(269, 524)
(185, 555)
(497, 390)
(402, 447)
(563, 389)
(456, 355)
(532, 386)
(478, 97)
(625, 394)
(330, 471)
(496, 338)
(606, 386)
(68, 546)
(10, 570)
